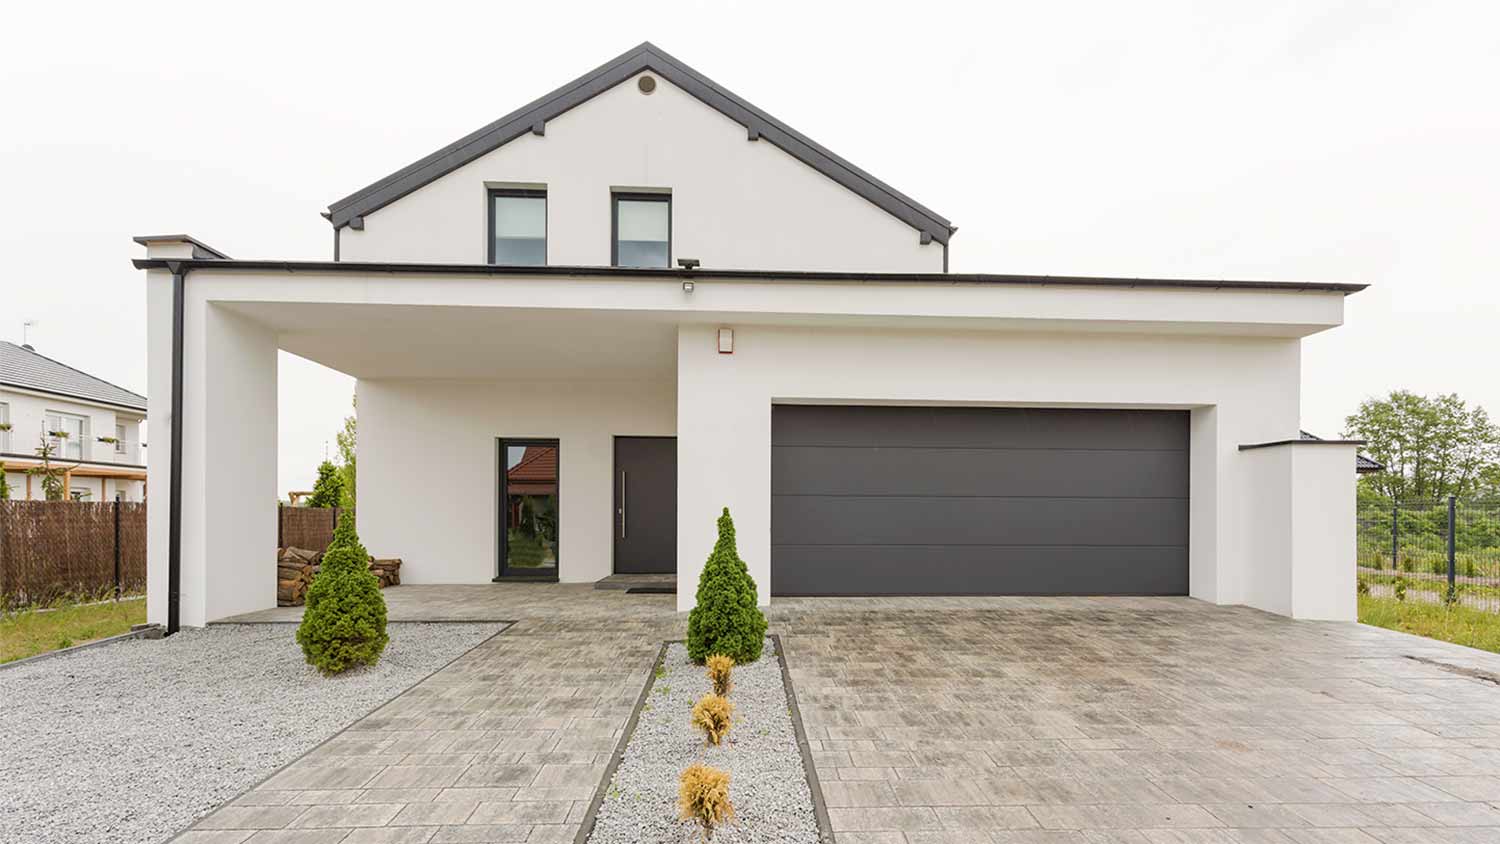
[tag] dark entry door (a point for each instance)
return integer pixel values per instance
(645, 505)
(978, 501)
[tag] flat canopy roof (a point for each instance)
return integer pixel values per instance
(368, 268)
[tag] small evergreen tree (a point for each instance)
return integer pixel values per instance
(4, 487)
(51, 478)
(344, 622)
(727, 619)
(328, 490)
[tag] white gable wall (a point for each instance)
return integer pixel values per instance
(735, 203)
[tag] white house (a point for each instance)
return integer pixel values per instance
(640, 299)
(93, 426)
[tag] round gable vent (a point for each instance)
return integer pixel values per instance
(647, 84)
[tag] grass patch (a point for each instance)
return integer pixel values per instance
(33, 631)
(1459, 625)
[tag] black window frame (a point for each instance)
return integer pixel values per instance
(502, 572)
(524, 193)
(614, 221)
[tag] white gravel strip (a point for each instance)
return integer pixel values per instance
(768, 787)
(134, 740)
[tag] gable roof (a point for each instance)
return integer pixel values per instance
(24, 368)
(533, 117)
(1362, 464)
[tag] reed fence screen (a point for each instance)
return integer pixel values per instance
(51, 550)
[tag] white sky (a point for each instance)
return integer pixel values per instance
(1344, 141)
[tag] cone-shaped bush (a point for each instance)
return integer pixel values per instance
(344, 622)
(726, 619)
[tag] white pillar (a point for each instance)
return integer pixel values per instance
(228, 518)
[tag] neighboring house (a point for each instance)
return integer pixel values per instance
(1362, 464)
(691, 305)
(93, 426)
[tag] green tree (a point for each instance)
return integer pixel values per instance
(727, 618)
(4, 487)
(52, 480)
(1431, 446)
(346, 439)
(344, 624)
(328, 489)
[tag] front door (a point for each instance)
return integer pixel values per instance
(645, 505)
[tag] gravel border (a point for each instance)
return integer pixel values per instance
(134, 740)
(772, 787)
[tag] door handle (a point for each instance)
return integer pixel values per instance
(622, 503)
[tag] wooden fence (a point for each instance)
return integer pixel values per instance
(60, 549)
(69, 549)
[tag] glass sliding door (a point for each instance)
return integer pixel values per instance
(528, 508)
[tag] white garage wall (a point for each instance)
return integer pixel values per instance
(1240, 390)
(428, 469)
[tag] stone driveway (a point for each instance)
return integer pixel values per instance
(1129, 721)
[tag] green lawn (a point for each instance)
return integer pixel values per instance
(30, 632)
(1460, 625)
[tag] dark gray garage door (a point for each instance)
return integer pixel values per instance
(978, 501)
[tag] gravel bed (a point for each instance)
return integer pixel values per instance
(134, 740)
(768, 787)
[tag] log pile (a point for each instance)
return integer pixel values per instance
(295, 568)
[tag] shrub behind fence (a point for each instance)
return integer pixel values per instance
(58, 549)
(1411, 540)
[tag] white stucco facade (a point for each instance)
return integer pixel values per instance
(27, 412)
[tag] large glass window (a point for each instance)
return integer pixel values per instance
(518, 227)
(528, 492)
(643, 230)
(67, 433)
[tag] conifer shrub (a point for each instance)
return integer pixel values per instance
(343, 624)
(719, 668)
(713, 715)
(703, 796)
(727, 619)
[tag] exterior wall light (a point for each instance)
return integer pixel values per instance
(687, 287)
(726, 341)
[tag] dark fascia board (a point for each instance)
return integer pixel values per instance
(699, 273)
(1275, 443)
(200, 249)
(758, 125)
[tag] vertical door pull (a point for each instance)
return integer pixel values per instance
(622, 503)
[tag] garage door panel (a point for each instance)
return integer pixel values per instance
(973, 570)
(935, 500)
(977, 427)
(861, 520)
(1080, 473)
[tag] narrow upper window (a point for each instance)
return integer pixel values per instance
(643, 230)
(518, 227)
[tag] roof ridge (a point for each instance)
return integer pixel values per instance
(75, 369)
(533, 117)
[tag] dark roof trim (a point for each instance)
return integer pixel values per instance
(200, 249)
(83, 399)
(527, 119)
(1274, 443)
(700, 273)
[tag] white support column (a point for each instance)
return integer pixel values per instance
(228, 508)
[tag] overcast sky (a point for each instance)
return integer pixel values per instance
(1338, 141)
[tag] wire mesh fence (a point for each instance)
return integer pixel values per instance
(1435, 551)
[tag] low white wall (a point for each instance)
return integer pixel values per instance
(428, 467)
(1238, 389)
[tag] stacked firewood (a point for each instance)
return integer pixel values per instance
(389, 571)
(296, 567)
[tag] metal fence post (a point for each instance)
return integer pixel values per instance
(1395, 536)
(1452, 557)
(280, 523)
(117, 549)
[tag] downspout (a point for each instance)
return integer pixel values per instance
(174, 482)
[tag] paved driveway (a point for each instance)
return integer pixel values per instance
(941, 720)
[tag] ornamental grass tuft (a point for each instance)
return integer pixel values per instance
(727, 618)
(713, 715)
(703, 796)
(719, 668)
(344, 623)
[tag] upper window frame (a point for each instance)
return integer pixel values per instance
(489, 228)
(614, 220)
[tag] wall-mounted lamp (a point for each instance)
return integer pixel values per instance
(726, 341)
(687, 287)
